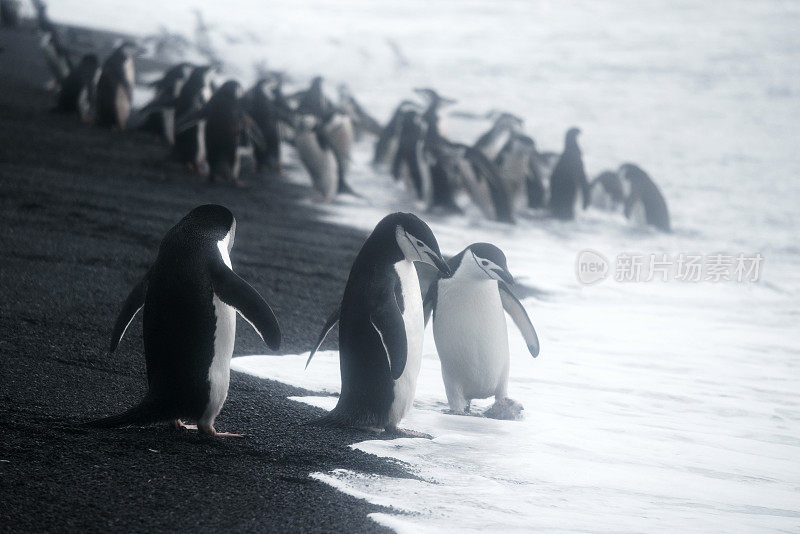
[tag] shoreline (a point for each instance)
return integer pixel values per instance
(83, 212)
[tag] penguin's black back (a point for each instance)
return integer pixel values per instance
(567, 176)
(179, 318)
(644, 189)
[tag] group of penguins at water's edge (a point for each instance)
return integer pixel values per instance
(190, 295)
(210, 129)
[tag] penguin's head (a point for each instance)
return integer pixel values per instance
(572, 134)
(214, 222)
(129, 49)
(414, 239)
(509, 121)
(481, 261)
(231, 90)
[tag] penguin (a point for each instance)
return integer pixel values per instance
(115, 87)
(469, 329)
(644, 196)
(317, 156)
(159, 114)
(338, 129)
(57, 58)
(381, 326)
(190, 145)
(262, 104)
(480, 177)
(442, 188)
(389, 136)
(493, 141)
(607, 191)
(568, 185)
(411, 162)
(363, 122)
(77, 92)
(190, 296)
(517, 164)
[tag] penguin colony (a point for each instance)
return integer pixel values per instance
(190, 295)
(215, 129)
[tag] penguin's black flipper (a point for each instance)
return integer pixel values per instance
(429, 303)
(234, 291)
(130, 308)
(333, 318)
(514, 308)
(391, 329)
(146, 412)
(187, 120)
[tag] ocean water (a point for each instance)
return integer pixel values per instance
(654, 406)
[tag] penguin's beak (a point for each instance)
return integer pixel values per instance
(440, 264)
(505, 276)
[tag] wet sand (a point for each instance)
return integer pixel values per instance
(83, 211)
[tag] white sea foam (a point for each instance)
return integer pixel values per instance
(653, 407)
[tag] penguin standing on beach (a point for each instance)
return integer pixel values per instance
(227, 128)
(389, 137)
(645, 203)
(381, 325)
(190, 144)
(159, 115)
(469, 328)
(263, 104)
(324, 149)
(115, 87)
(190, 297)
(516, 161)
(569, 189)
(78, 90)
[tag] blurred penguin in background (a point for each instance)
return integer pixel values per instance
(79, 90)
(569, 190)
(607, 190)
(158, 115)
(115, 86)
(645, 203)
(190, 144)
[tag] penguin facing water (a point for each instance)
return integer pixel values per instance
(190, 144)
(645, 198)
(267, 109)
(78, 90)
(568, 186)
(381, 325)
(190, 296)
(115, 87)
(469, 328)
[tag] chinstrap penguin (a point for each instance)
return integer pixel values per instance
(469, 328)
(190, 296)
(381, 325)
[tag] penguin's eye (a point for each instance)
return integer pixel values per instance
(420, 244)
(485, 263)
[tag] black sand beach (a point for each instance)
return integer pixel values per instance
(83, 211)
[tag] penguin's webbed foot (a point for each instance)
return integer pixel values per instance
(177, 424)
(394, 433)
(211, 431)
(505, 409)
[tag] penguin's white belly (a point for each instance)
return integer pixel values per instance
(471, 337)
(219, 373)
(496, 145)
(406, 385)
